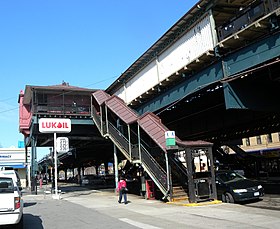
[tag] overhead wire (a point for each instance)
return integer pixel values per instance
(225, 80)
(3, 100)
(8, 110)
(15, 108)
(69, 92)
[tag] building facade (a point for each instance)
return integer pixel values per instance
(264, 153)
(15, 158)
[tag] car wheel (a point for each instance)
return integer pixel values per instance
(227, 198)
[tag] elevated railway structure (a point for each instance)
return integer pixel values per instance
(214, 75)
(213, 78)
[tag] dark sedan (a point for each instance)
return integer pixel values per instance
(233, 187)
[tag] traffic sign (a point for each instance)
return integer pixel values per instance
(62, 145)
(54, 125)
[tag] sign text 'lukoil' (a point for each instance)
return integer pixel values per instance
(54, 125)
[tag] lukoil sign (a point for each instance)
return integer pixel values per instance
(54, 125)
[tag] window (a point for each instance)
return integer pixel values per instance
(269, 138)
(247, 141)
(41, 99)
(259, 140)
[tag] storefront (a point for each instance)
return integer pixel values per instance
(15, 158)
(267, 161)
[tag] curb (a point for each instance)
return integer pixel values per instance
(195, 204)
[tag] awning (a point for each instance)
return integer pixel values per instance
(13, 165)
(267, 153)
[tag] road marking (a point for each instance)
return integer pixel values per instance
(138, 224)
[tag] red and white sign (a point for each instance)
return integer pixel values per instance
(54, 125)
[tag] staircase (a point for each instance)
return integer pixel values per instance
(179, 180)
(130, 133)
(103, 106)
(179, 193)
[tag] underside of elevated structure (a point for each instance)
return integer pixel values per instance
(212, 77)
(229, 90)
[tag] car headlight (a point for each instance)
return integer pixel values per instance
(259, 186)
(239, 190)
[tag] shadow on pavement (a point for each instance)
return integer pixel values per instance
(32, 221)
(29, 204)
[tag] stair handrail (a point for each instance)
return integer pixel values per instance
(96, 118)
(119, 139)
(179, 165)
(151, 166)
(156, 172)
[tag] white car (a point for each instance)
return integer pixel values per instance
(11, 203)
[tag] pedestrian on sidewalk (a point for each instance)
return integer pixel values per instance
(122, 190)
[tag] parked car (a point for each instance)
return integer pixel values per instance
(233, 187)
(109, 179)
(93, 180)
(11, 203)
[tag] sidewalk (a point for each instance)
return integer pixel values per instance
(68, 190)
(157, 214)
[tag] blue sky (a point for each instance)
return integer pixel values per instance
(87, 43)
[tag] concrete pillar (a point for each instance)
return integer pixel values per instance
(116, 168)
(65, 172)
(79, 175)
(96, 168)
(106, 167)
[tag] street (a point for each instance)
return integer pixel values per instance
(84, 208)
(49, 213)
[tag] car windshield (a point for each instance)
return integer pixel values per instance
(6, 185)
(229, 176)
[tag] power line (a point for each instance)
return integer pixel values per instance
(101, 81)
(70, 91)
(8, 110)
(3, 100)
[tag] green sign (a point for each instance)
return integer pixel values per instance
(170, 138)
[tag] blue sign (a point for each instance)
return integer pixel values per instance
(20, 144)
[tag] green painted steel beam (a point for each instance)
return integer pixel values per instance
(242, 96)
(191, 85)
(83, 121)
(253, 55)
(246, 58)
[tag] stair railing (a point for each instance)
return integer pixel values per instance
(151, 166)
(155, 171)
(96, 118)
(179, 166)
(131, 152)
(120, 140)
